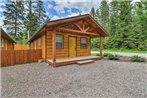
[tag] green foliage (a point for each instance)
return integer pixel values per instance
(107, 54)
(23, 16)
(95, 43)
(122, 50)
(104, 14)
(95, 49)
(92, 12)
(137, 59)
(97, 54)
(126, 23)
(25, 41)
(36, 16)
(113, 57)
(13, 21)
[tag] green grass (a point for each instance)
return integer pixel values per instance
(122, 50)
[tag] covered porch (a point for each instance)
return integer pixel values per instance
(74, 27)
(74, 60)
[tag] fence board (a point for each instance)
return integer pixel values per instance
(12, 57)
(21, 47)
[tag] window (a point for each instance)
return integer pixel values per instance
(39, 41)
(2, 42)
(59, 41)
(11, 45)
(83, 42)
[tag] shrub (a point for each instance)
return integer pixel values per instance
(137, 59)
(106, 54)
(94, 49)
(113, 57)
(97, 54)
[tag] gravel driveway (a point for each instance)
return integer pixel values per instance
(100, 79)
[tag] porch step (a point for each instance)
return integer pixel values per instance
(84, 62)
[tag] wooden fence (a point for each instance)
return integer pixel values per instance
(12, 57)
(21, 47)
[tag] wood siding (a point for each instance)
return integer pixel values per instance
(34, 44)
(60, 53)
(83, 51)
(8, 45)
(43, 46)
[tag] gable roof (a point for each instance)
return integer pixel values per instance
(71, 19)
(5, 35)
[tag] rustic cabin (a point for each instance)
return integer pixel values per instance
(68, 40)
(7, 43)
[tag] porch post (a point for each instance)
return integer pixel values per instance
(101, 45)
(54, 48)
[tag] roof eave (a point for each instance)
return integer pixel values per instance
(35, 34)
(6, 35)
(105, 31)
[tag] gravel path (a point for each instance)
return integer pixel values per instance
(126, 54)
(100, 79)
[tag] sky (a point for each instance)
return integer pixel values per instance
(57, 9)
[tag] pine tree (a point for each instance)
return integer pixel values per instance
(139, 34)
(104, 13)
(92, 12)
(113, 14)
(13, 21)
(36, 16)
(31, 22)
(98, 16)
(124, 24)
(143, 44)
(136, 30)
(41, 13)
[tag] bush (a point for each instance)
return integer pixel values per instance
(106, 54)
(95, 49)
(137, 59)
(97, 54)
(113, 57)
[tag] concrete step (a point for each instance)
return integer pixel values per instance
(84, 62)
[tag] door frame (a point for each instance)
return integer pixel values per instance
(75, 43)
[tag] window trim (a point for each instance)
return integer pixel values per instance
(81, 42)
(2, 44)
(63, 41)
(39, 38)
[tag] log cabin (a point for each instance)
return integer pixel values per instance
(68, 40)
(7, 43)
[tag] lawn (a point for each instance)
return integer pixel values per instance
(122, 50)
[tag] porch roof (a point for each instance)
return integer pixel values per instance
(56, 23)
(5, 35)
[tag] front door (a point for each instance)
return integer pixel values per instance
(72, 46)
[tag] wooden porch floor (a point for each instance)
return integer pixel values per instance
(65, 61)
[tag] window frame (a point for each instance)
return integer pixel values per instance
(39, 41)
(2, 43)
(59, 42)
(82, 43)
